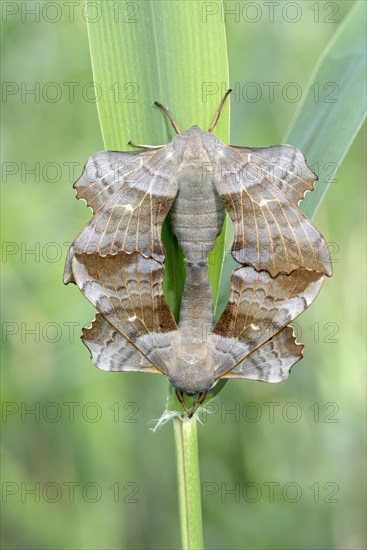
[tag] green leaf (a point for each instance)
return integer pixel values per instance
(326, 123)
(324, 130)
(158, 52)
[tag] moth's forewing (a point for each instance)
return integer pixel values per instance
(261, 189)
(131, 195)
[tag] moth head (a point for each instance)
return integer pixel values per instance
(192, 146)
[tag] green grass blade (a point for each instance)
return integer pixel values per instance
(324, 130)
(326, 123)
(188, 483)
(139, 56)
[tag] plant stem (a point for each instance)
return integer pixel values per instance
(189, 494)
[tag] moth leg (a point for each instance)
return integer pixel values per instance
(145, 146)
(217, 114)
(181, 399)
(166, 112)
(199, 401)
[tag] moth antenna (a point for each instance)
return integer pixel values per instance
(199, 401)
(145, 146)
(166, 112)
(217, 114)
(181, 399)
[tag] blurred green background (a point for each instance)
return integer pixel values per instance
(282, 466)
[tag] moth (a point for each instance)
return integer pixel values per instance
(118, 259)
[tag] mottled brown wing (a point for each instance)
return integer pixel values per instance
(110, 351)
(283, 166)
(272, 361)
(130, 204)
(105, 172)
(259, 307)
(260, 189)
(127, 290)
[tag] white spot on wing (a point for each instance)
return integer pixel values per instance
(254, 327)
(131, 319)
(264, 202)
(128, 207)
